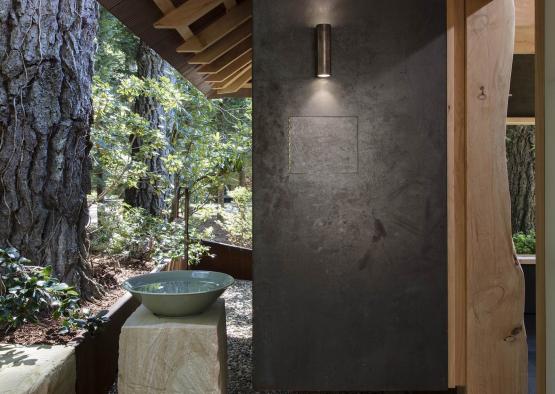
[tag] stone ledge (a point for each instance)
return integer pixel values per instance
(37, 369)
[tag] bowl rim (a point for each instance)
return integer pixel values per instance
(230, 280)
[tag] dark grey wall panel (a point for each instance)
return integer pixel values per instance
(350, 261)
(521, 100)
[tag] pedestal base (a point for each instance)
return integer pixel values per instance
(173, 355)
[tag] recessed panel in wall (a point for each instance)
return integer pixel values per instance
(350, 202)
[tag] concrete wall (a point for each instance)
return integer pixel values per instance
(350, 262)
(550, 189)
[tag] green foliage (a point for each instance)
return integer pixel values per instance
(123, 231)
(207, 148)
(525, 243)
(132, 233)
(237, 222)
(28, 293)
(116, 125)
(116, 49)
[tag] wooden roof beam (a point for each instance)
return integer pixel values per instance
(233, 78)
(238, 83)
(219, 28)
(221, 47)
(219, 64)
(166, 6)
(231, 68)
(186, 13)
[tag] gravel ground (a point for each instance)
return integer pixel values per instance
(238, 302)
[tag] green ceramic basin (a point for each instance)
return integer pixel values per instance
(178, 293)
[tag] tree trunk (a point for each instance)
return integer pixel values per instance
(150, 193)
(242, 178)
(176, 197)
(46, 66)
(186, 217)
(221, 196)
(100, 185)
(520, 165)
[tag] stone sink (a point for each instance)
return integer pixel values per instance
(178, 293)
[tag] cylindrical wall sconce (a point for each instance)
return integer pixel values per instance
(323, 47)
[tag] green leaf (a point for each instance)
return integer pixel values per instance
(47, 271)
(12, 253)
(60, 286)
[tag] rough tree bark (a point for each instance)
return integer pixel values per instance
(46, 66)
(242, 178)
(520, 165)
(150, 193)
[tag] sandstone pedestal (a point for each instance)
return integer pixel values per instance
(173, 355)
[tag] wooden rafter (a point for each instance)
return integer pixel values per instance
(225, 74)
(166, 6)
(238, 83)
(221, 48)
(224, 45)
(231, 68)
(186, 13)
(220, 63)
(218, 29)
(242, 73)
(212, 78)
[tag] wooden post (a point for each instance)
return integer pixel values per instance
(496, 339)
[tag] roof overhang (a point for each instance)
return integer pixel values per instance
(207, 41)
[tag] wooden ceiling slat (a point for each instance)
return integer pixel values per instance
(243, 92)
(233, 77)
(216, 78)
(220, 63)
(238, 83)
(166, 6)
(186, 13)
(231, 68)
(229, 4)
(230, 78)
(224, 45)
(216, 30)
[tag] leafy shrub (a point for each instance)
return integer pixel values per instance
(131, 232)
(238, 221)
(28, 293)
(123, 230)
(169, 239)
(525, 243)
